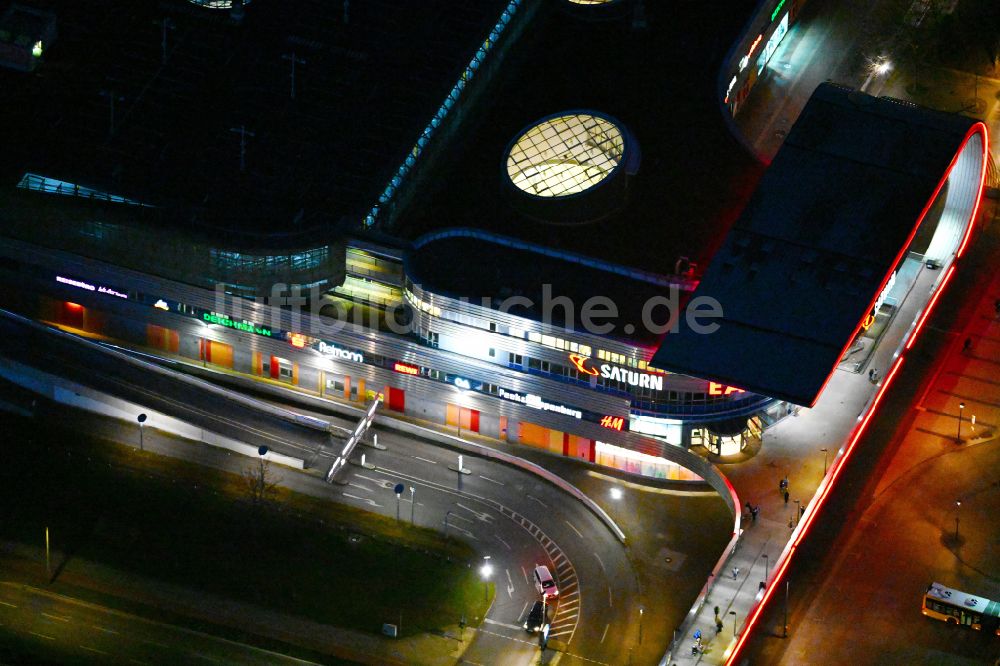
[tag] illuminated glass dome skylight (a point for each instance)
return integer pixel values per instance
(565, 155)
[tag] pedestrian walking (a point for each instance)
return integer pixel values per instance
(786, 497)
(753, 512)
(871, 374)
(783, 484)
(736, 572)
(967, 346)
(875, 375)
(718, 624)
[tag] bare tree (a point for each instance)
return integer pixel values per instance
(260, 482)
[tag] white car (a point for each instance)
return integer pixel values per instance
(545, 583)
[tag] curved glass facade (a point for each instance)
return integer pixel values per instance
(565, 155)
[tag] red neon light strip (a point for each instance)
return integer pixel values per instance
(783, 566)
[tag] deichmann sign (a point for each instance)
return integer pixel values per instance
(223, 320)
(536, 402)
(608, 371)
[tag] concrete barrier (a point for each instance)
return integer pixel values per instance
(82, 397)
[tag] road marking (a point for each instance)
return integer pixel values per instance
(524, 610)
(486, 478)
(510, 585)
(516, 640)
(572, 527)
(527, 581)
(480, 515)
(4, 603)
(366, 500)
(35, 633)
(56, 617)
(86, 647)
(462, 518)
(606, 627)
(601, 562)
(426, 460)
(532, 497)
(465, 532)
(362, 488)
(502, 541)
(502, 624)
(104, 629)
(609, 596)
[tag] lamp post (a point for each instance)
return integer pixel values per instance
(958, 507)
(797, 513)
(733, 613)
(961, 408)
(641, 611)
(486, 570)
(765, 566)
(413, 504)
(141, 419)
(824, 450)
(785, 632)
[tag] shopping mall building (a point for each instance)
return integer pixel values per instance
(521, 260)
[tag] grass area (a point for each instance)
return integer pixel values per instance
(190, 525)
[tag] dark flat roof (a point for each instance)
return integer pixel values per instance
(694, 177)
(454, 266)
(363, 95)
(806, 259)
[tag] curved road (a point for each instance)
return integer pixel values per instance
(511, 515)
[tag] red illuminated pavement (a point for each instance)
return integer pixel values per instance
(894, 525)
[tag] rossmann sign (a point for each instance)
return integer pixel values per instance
(608, 371)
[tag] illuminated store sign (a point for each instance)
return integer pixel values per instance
(613, 422)
(715, 388)
(100, 289)
(463, 384)
(333, 351)
(246, 326)
(879, 302)
(536, 402)
(405, 368)
(772, 43)
(608, 371)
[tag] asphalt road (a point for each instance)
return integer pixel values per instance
(511, 515)
(69, 631)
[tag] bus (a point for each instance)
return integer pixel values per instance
(955, 607)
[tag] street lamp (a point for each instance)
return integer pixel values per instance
(958, 507)
(141, 419)
(641, 611)
(824, 460)
(486, 571)
(412, 503)
(765, 566)
(797, 512)
(733, 613)
(961, 408)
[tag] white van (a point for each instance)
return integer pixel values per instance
(544, 583)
